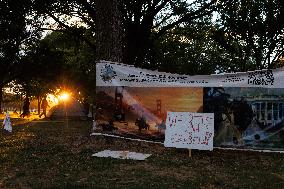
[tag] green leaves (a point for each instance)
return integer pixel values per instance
(252, 32)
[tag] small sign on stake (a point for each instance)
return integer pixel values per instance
(189, 130)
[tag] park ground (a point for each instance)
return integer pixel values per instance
(58, 154)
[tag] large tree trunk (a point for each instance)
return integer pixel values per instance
(108, 31)
(108, 34)
(138, 41)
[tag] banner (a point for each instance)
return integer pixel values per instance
(114, 74)
(248, 107)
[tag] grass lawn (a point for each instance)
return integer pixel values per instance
(50, 154)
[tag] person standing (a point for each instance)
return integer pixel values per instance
(7, 123)
(26, 108)
(44, 105)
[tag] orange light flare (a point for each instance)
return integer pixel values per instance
(64, 96)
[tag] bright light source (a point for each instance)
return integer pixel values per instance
(64, 96)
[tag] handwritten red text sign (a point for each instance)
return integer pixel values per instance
(189, 130)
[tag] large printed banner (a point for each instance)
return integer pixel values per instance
(248, 107)
(189, 130)
(113, 74)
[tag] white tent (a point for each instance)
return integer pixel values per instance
(70, 109)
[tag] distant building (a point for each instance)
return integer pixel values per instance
(269, 109)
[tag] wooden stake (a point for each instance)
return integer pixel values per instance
(189, 152)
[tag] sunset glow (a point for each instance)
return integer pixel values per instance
(52, 100)
(64, 96)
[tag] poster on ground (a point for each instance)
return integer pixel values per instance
(248, 107)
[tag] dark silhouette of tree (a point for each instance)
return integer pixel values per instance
(252, 33)
(124, 29)
(189, 49)
(14, 36)
(42, 66)
(146, 21)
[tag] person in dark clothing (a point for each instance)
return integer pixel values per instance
(109, 127)
(26, 108)
(44, 105)
(243, 114)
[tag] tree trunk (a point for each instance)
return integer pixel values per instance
(137, 44)
(1, 98)
(108, 34)
(38, 104)
(108, 31)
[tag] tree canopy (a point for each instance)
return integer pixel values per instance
(251, 32)
(14, 36)
(129, 27)
(189, 37)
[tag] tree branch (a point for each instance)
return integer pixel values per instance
(91, 24)
(188, 17)
(72, 30)
(88, 6)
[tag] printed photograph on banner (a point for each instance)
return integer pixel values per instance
(141, 112)
(246, 117)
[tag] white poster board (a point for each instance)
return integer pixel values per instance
(189, 130)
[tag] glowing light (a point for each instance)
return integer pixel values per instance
(64, 96)
(52, 100)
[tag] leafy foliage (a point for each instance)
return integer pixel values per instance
(126, 24)
(252, 32)
(189, 50)
(146, 21)
(78, 67)
(14, 36)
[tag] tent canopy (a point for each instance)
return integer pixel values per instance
(70, 109)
